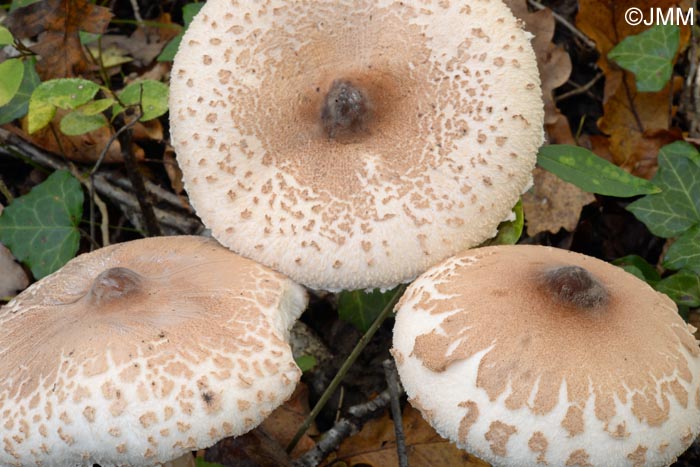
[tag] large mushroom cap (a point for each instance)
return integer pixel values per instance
(354, 143)
(527, 355)
(142, 351)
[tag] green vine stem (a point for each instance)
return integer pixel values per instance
(364, 340)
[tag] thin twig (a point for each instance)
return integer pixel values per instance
(95, 167)
(364, 340)
(176, 221)
(342, 429)
(579, 89)
(6, 192)
(394, 387)
(104, 215)
(137, 11)
(564, 22)
(132, 170)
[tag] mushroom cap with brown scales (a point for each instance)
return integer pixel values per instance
(139, 352)
(354, 143)
(530, 355)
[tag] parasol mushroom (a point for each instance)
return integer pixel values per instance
(353, 144)
(142, 351)
(528, 355)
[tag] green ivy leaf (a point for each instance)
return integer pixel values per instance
(188, 12)
(40, 228)
(5, 36)
(153, 99)
(591, 173)
(306, 362)
(78, 123)
(685, 251)
(683, 287)
(64, 93)
(11, 74)
(649, 55)
(638, 266)
(361, 308)
(677, 207)
(509, 232)
(19, 104)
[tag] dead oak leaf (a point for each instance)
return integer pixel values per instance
(57, 24)
(552, 204)
(630, 118)
(375, 445)
(553, 62)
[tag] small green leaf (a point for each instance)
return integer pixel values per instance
(170, 49)
(87, 37)
(40, 228)
(78, 123)
(11, 74)
(361, 308)
(591, 173)
(64, 93)
(40, 114)
(97, 106)
(677, 207)
(5, 36)
(306, 362)
(639, 267)
(188, 12)
(19, 104)
(683, 287)
(199, 462)
(649, 55)
(685, 251)
(635, 271)
(509, 232)
(154, 98)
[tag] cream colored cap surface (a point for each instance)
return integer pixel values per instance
(353, 144)
(139, 352)
(529, 355)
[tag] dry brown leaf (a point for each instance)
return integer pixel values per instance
(630, 118)
(253, 449)
(694, 320)
(282, 424)
(57, 23)
(553, 62)
(13, 279)
(264, 446)
(552, 204)
(146, 42)
(375, 445)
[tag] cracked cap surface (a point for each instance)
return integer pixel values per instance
(522, 359)
(139, 352)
